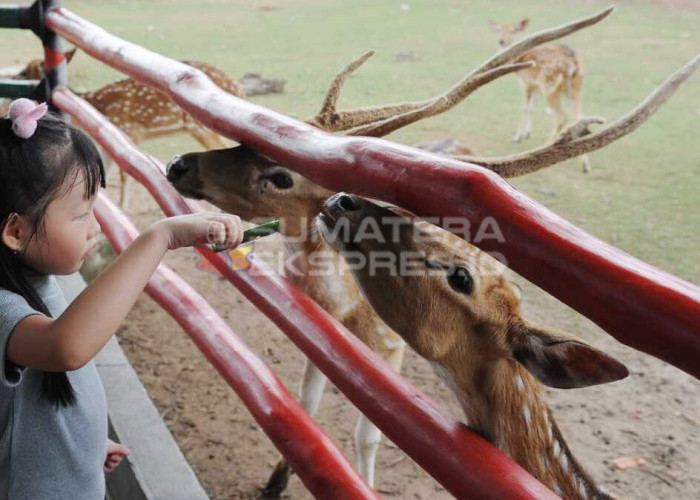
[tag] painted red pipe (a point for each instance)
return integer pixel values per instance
(638, 304)
(300, 439)
(464, 463)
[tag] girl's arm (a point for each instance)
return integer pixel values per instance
(74, 338)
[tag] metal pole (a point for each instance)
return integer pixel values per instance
(10, 16)
(13, 89)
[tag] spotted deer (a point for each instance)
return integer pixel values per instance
(456, 309)
(242, 181)
(557, 71)
(144, 113)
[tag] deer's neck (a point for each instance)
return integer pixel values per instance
(503, 402)
(312, 265)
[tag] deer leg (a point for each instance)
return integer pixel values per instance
(367, 439)
(367, 435)
(576, 102)
(123, 179)
(559, 114)
(310, 394)
(526, 124)
(124, 190)
(208, 139)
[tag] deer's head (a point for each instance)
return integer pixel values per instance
(452, 303)
(241, 181)
(506, 32)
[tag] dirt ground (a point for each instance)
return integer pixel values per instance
(654, 414)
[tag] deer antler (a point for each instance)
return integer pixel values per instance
(517, 49)
(379, 121)
(439, 104)
(576, 139)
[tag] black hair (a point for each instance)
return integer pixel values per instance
(32, 174)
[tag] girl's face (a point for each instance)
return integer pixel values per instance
(69, 232)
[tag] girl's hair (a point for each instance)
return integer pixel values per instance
(33, 172)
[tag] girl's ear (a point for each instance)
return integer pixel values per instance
(15, 232)
(560, 360)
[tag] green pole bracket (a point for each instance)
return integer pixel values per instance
(17, 88)
(9, 16)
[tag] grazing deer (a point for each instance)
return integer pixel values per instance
(144, 113)
(243, 181)
(456, 309)
(557, 71)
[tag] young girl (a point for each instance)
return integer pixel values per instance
(53, 414)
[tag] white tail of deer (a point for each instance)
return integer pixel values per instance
(454, 307)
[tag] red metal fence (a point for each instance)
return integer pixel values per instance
(294, 433)
(640, 305)
(464, 463)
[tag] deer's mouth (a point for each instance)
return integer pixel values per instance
(192, 193)
(325, 223)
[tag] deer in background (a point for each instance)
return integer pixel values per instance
(557, 71)
(456, 309)
(144, 113)
(243, 181)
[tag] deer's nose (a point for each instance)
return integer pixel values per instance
(341, 202)
(176, 168)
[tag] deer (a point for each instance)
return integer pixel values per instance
(144, 113)
(558, 71)
(456, 309)
(241, 180)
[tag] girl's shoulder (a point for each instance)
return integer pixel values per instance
(8, 298)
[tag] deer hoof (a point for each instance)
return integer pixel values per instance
(586, 166)
(516, 138)
(278, 481)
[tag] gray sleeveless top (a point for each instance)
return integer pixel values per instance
(48, 452)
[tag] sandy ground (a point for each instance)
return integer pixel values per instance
(654, 414)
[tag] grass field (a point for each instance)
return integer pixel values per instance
(643, 193)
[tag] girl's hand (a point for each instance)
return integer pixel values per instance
(115, 453)
(200, 229)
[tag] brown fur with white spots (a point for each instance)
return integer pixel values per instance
(557, 71)
(457, 310)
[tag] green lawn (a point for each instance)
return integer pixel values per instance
(643, 192)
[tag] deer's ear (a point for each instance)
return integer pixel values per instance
(69, 55)
(523, 24)
(401, 212)
(563, 361)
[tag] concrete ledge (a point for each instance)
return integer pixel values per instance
(156, 468)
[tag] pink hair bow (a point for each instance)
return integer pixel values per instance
(24, 115)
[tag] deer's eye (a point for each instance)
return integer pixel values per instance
(281, 180)
(460, 279)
